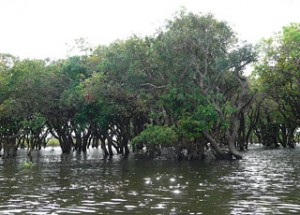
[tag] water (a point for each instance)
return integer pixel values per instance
(265, 182)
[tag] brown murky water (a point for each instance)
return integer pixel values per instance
(265, 182)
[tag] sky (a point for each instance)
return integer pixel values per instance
(47, 28)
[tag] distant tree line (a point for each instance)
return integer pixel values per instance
(178, 90)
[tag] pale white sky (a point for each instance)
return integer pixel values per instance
(42, 28)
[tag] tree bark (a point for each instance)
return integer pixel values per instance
(10, 148)
(109, 145)
(218, 152)
(241, 133)
(232, 134)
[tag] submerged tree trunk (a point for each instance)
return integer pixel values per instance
(195, 150)
(62, 133)
(218, 152)
(103, 139)
(109, 145)
(284, 139)
(232, 134)
(241, 133)
(65, 144)
(290, 137)
(232, 149)
(10, 148)
(125, 133)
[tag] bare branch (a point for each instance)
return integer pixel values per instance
(152, 86)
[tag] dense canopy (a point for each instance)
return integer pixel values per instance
(177, 94)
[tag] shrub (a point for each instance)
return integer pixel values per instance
(155, 136)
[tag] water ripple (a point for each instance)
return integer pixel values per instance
(265, 182)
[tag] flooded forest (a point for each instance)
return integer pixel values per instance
(177, 94)
(192, 92)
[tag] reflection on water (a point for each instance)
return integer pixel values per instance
(265, 182)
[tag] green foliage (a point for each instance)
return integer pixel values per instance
(186, 79)
(155, 135)
(203, 118)
(35, 122)
(291, 40)
(206, 115)
(278, 71)
(53, 142)
(190, 128)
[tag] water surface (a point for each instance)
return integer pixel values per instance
(264, 182)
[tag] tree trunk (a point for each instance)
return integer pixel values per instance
(284, 138)
(290, 137)
(10, 148)
(231, 136)
(218, 152)
(65, 145)
(65, 139)
(233, 150)
(241, 133)
(103, 145)
(109, 145)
